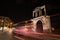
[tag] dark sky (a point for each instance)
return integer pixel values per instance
(19, 10)
(16, 9)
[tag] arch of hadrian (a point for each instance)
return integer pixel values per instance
(45, 19)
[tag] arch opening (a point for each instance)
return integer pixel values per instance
(39, 26)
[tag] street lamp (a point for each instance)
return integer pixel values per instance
(2, 25)
(11, 24)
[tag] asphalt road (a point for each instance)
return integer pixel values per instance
(5, 36)
(38, 36)
(8, 35)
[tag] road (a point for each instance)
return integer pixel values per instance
(37, 36)
(5, 36)
(8, 35)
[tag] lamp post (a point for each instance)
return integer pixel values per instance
(11, 24)
(2, 25)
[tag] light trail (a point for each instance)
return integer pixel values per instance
(19, 38)
(55, 15)
(39, 36)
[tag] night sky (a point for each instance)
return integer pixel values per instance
(19, 10)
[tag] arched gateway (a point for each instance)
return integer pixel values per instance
(41, 23)
(39, 26)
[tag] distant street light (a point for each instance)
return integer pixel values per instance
(11, 24)
(2, 25)
(53, 29)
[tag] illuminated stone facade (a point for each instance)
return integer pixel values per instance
(45, 22)
(37, 14)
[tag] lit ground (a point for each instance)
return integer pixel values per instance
(26, 33)
(23, 35)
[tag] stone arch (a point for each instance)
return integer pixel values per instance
(38, 11)
(39, 26)
(35, 20)
(45, 23)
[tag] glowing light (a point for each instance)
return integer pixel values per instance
(1, 28)
(19, 38)
(2, 20)
(11, 23)
(13, 28)
(5, 28)
(10, 31)
(53, 29)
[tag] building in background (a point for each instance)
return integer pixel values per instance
(5, 23)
